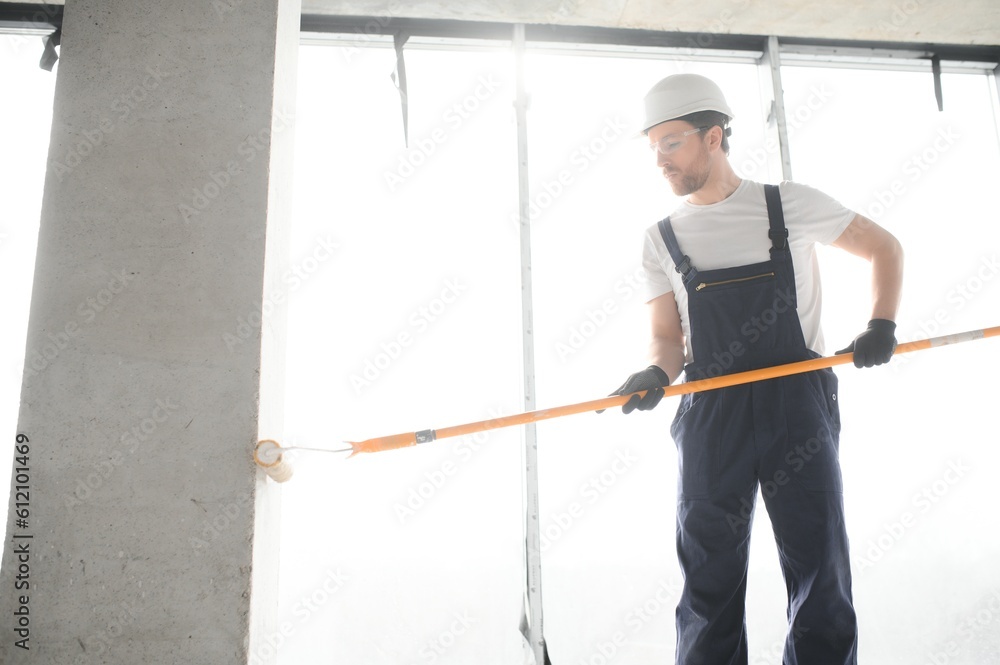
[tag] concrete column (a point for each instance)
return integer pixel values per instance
(145, 523)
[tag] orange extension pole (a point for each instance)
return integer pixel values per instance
(413, 438)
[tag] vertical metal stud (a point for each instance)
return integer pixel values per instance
(774, 99)
(936, 73)
(531, 620)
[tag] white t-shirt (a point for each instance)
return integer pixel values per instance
(733, 232)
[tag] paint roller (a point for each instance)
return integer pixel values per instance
(268, 455)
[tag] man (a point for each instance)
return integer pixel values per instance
(734, 286)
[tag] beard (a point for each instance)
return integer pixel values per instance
(694, 178)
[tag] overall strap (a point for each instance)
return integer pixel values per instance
(776, 217)
(778, 233)
(681, 261)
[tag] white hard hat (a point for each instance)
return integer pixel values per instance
(681, 94)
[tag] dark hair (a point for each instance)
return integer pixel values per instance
(710, 119)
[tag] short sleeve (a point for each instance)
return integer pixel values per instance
(655, 262)
(817, 215)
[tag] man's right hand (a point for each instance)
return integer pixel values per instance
(653, 380)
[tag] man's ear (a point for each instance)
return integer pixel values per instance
(714, 137)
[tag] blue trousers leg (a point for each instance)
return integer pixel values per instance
(717, 490)
(713, 550)
(803, 492)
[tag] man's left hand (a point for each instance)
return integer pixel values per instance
(875, 345)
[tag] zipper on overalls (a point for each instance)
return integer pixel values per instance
(704, 285)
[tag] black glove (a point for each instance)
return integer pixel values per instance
(651, 379)
(875, 345)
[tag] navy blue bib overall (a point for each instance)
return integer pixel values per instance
(781, 435)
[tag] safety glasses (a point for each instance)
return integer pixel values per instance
(673, 142)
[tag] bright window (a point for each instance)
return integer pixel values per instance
(22, 174)
(414, 323)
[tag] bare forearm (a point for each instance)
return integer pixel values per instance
(887, 279)
(668, 355)
(868, 240)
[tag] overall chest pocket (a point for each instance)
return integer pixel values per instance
(734, 311)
